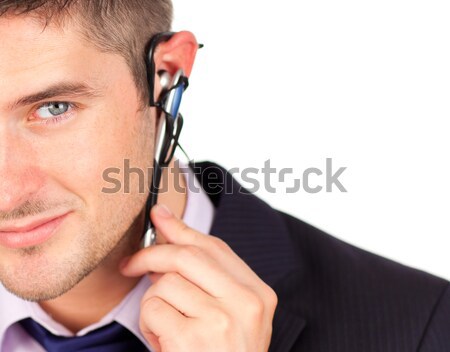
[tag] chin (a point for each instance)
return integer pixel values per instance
(38, 278)
(36, 294)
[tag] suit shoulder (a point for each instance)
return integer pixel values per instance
(326, 253)
(354, 292)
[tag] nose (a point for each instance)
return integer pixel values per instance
(20, 178)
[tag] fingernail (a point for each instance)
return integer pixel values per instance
(124, 262)
(163, 211)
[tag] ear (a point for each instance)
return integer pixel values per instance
(177, 53)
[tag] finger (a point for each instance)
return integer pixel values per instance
(154, 277)
(177, 232)
(173, 229)
(189, 261)
(183, 295)
(160, 318)
(153, 340)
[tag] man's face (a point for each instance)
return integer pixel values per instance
(52, 156)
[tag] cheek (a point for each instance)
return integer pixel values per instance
(120, 147)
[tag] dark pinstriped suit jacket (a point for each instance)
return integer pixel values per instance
(331, 296)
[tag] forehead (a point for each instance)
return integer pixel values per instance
(26, 44)
(32, 56)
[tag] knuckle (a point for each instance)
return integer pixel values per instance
(152, 305)
(222, 322)
(255, 308)
(272, 298)
(219, 244)
(164, 284)
(258, 304)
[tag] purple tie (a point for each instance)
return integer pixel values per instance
(110, 338)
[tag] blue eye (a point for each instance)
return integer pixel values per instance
(52, 110)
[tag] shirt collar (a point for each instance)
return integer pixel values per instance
(199, 211)
(13, 309)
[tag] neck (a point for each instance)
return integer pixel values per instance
(103, 289)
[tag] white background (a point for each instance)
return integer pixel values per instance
(364, 83)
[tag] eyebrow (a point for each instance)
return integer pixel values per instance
(69, 89)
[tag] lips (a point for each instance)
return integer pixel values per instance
(31, 234)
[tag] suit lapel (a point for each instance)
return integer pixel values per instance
(287, 327)
(259, 236)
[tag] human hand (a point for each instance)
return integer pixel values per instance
(204, 297)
